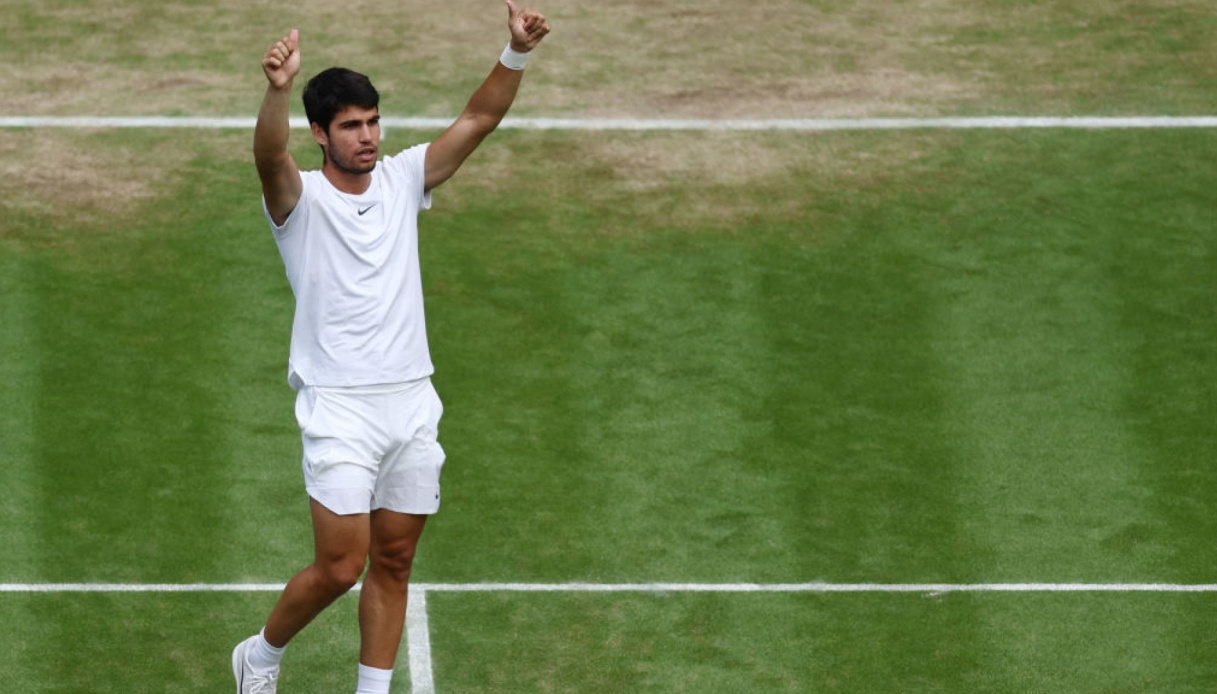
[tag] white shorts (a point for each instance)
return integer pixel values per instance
(372, 447)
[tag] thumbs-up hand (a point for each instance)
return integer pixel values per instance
(527, 26)
(282, 60)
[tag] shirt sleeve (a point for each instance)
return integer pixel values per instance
(408, 167)
(295, 218)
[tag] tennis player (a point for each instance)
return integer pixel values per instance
(359, 358)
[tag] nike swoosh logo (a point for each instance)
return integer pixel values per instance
(365, 210)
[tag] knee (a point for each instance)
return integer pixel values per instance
(338, 577)
(396, 559)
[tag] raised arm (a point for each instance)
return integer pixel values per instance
(490, 102)
(280, 176)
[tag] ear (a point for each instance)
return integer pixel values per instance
(320, 135)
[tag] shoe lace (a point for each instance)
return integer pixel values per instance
(263, 683)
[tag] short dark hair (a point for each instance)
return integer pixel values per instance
(332, 90)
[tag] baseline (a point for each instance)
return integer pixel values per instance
(579, 587)
(803, 124)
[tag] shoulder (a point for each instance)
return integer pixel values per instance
(298, 217)
(310, 178)
(406, 171)
(409, 161)
(313, 185)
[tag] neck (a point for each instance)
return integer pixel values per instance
(346, 181)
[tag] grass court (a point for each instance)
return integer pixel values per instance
(683, 357)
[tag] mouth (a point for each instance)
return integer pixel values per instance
(366, 154)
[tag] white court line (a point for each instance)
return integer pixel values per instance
(806, 124)
(418, 642)
(140, 587)
(418, 628)
(933, 588)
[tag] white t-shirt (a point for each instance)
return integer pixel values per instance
(352, 262)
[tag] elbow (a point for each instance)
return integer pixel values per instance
(482, 124)
(270, 163)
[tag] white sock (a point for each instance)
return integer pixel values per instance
(263, 656)
(373, 680)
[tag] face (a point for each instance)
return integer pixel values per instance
(351, 143)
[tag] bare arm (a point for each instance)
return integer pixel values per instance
(488, 104)
(281, 185)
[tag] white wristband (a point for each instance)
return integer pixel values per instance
(513, 59)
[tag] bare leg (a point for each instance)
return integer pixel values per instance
(340, 552)
(382, 602)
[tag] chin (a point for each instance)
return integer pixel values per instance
(355, 167)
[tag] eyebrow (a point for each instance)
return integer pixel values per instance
(353, 122)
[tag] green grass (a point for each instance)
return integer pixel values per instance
(980, 357)
(915, 356)
(659, 643)
(799, 643)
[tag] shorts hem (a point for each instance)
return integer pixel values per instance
(342, 502)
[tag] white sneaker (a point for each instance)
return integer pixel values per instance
(248, 681)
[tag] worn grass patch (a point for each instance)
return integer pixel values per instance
(75, 180)
(679, 58)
